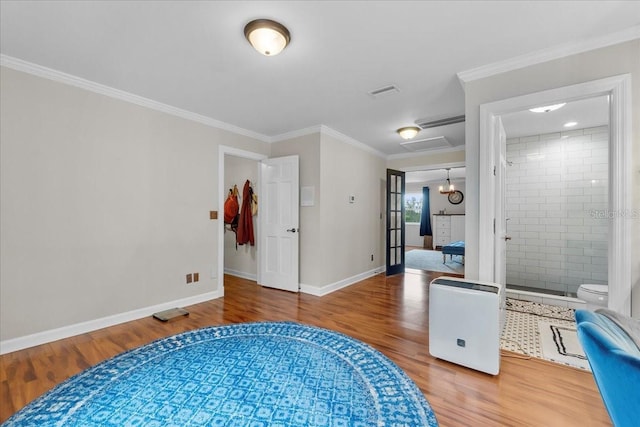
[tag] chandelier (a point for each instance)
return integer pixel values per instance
(449, 187)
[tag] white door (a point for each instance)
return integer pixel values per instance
(279, 223)
(500, 221)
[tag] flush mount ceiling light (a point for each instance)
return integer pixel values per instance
(408, 132)
(547, 108)
(266, 36)
(570, 124)
(449, 188)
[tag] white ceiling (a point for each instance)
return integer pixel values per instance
(590, 112)
(193, 55)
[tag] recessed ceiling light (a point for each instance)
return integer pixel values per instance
(570, 124)
(547, 108)
(408, 132)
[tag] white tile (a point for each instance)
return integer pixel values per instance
(530, 139)
(547, 136)
(550, 265)
(597, 129)
(553, 301)
(513, 294)
(531, 298)
(577, 305)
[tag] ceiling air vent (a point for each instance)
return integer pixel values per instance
(435, 143)
(387, 90)
(424, 124)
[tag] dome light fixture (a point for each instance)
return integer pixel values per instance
(266, 36)
(570, 124)
(408, 132)
(547, 108)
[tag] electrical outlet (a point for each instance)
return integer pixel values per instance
(189, 278)
(371, 257)
(196, 277)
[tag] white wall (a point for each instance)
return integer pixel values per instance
(337, 238)
(350, 231)
(437, 202)
(104, 205)
(596, 64)
(240, 260)
(556, 186)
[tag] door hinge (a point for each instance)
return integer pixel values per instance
(494, 226)
(494, 171)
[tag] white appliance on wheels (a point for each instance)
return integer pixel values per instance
(466, 319)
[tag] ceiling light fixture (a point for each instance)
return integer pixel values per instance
(408, 132)
(266, 36)
(450, 189)
(570, 124)
(547, 108)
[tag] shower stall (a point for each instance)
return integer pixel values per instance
(557, 209)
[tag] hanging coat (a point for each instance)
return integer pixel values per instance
(245, 224)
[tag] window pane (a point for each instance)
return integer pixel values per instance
(413, 207)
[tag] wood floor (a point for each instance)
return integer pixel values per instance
(390, 314)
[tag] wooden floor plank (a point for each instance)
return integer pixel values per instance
(388, 313)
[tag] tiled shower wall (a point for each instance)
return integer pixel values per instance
(556, 199)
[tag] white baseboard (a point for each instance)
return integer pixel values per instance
(241, 274)
(325, 290)
(44, 337)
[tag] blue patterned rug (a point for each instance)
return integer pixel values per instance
(245, 375)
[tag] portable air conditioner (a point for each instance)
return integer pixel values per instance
(466, 319)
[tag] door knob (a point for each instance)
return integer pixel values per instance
(507, 237)
(292, 230)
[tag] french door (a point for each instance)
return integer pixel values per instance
(395, 222)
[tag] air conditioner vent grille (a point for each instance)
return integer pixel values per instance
(424, 124)
(435, 143)
(386, 90)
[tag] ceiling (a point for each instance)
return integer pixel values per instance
(193, 55)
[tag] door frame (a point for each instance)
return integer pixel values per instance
(224, 150)
(618, 88)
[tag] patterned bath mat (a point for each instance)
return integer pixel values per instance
(543, 310)
(560, 344)
(522, 334)
(253, 374)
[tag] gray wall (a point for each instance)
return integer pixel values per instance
(337, 238)
(104, 205)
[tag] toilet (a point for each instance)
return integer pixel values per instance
(596, 296)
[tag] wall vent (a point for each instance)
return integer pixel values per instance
(386, 90)
(435, 143)
(424, 124)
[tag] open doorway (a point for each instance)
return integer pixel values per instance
(239, 260)
(224, 153)
(618, 204)
(446, 217)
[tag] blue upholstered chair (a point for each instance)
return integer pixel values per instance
(614, 357)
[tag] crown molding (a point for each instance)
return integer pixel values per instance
(326, 130)
(61, 77)
(544, 55)
(296, 133)
(348, 140)
(425, 152)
